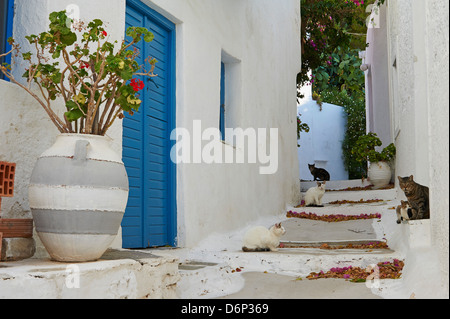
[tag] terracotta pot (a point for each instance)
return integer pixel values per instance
(78, 195)
(379, 174)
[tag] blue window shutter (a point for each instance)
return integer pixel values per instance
(222, 101)
(8, 31)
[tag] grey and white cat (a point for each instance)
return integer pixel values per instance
(260, 238)
(313, 196)
(404, 211)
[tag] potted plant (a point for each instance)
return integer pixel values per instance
(79, 187)
(379, 172)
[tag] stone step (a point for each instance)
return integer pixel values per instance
(207, 280)
(316, 231)
(385, 195)
(222, 274)
(343, 209)
(117, 275)
(336, 185)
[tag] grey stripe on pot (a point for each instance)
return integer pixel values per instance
(66, 171)
(77, 222)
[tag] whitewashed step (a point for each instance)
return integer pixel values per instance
(385, 195)
(344, 209)
(336, 185)
(118, 274)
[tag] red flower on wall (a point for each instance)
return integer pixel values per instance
(137, 85)
(85, 65)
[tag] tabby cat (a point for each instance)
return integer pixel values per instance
(320, 174)
(417, 196)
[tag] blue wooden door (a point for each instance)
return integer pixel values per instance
(150, 217)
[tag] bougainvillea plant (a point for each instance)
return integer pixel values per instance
(75, 64)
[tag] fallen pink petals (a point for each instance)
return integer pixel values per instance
(331, 218)
(383, 270)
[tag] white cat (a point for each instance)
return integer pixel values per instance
(313, 196)
(262, 239)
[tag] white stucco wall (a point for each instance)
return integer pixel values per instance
(259, 41)
(417, 41)
(437, 57)
(264, 37)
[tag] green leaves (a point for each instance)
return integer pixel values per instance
(27, 56)
(364, 149)
(138, 32)
(95, 75)
(127, 99)
(341, 70)
(74, 113)
(60, 30)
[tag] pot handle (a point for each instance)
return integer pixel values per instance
(81, 151)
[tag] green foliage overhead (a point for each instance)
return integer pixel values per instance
(341, 70)
(326, 25)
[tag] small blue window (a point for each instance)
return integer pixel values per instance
(6, 29)
(222, 101)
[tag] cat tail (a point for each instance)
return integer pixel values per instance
(249, 250)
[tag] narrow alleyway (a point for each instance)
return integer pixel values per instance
(218, 268)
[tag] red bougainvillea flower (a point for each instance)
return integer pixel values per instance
(137, 85)
(85, 65)
(104, 33)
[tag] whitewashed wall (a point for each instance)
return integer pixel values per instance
(437, 59)
(259, 41)
(417, 41)
(322, 145)
(261, 37)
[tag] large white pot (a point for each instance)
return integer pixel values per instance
(379, 174)
(78, 194)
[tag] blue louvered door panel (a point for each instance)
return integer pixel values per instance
(149, 220)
